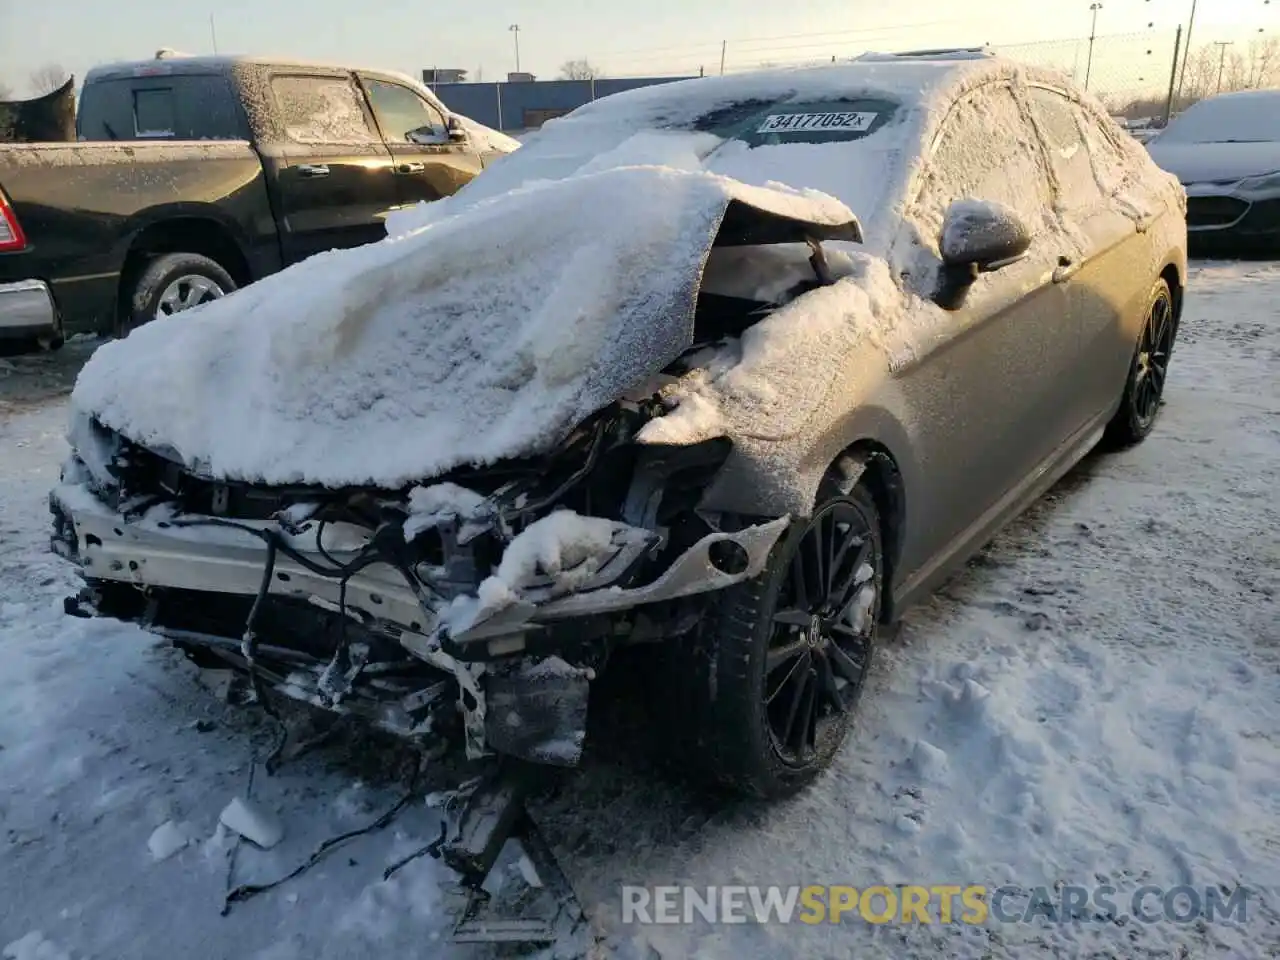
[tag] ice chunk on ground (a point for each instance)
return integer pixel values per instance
(33, 947)
(930, 762)
(167, 839)
(252, 822)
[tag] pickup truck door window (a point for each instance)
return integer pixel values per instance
(333, 176)
(428, 164)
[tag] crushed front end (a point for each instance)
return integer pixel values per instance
(475, 607)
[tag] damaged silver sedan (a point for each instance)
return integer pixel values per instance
(627, 388)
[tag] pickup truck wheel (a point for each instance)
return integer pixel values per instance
(767, 687)
(172, 284)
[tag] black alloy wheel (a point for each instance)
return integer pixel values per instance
(822, 631)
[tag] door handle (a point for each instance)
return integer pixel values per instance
(1065, 270)
(412, 167)
(313, 169)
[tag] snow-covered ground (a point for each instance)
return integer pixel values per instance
(1096, 700)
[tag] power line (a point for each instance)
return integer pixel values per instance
(830, 35)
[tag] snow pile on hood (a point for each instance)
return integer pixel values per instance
(485, 335)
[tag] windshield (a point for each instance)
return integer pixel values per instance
(760, 123)
(1235, 119)
(847, 146)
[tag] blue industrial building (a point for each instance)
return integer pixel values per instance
(514, 107)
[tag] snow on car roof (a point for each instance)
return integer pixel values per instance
(659, 126)
(1246, 115)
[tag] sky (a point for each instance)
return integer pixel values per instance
(658, 37)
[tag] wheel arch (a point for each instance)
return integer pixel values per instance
(1172, 275)
(188, 232)
(870, 461)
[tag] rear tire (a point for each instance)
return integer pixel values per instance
(173, 283)
(764, 705)
(1144, 387)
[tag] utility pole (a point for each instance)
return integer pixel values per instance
(1173, 75)
(515, 32)
(1093, 33)
(1186, 50)
(724, 45)
(1222, 59)
(213, 33)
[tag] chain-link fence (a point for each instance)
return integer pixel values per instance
(1118, 69)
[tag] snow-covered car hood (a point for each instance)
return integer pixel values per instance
(488, 333)
(1215, 162)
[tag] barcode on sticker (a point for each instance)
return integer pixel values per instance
(792, 122)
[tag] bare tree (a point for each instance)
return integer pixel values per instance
(582, 69)
(6, 91)
(1211, 68)
(46, 79)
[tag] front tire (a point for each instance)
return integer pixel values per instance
(1144, 387)
(774, 675)
(171, 284)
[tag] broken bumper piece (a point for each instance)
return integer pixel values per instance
(161, 550)
(397, 641)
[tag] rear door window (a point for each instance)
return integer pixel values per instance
(318, 109)
(1060, 124)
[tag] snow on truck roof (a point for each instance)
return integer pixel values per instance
(173, 63)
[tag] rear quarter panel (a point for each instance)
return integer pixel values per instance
(82, 204)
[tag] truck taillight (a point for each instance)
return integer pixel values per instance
(11, 236)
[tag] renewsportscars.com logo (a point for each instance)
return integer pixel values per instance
(939, 903)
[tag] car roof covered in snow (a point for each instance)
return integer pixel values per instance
(665, 125)
(1242, 116)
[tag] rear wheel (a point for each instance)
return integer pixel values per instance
(774, 676)
(1144, 389)
(174, 283)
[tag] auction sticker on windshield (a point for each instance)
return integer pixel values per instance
(793, 122)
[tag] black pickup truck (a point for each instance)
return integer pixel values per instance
(194, 176)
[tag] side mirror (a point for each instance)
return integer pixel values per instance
(457, 132)
(978, 236)
(982, 233)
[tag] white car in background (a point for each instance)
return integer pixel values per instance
(1226, 152)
